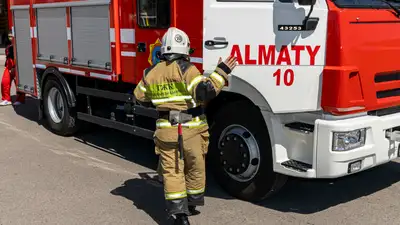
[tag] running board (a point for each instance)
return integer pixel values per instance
(138, 131)
(296, 165)
(302, 127)
(117, 96)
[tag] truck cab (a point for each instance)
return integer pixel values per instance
(321, 75)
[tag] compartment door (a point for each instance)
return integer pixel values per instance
(23, 44)
(90, 27)
(52, 35)
(153, 20)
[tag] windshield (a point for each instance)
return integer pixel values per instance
(364, 4)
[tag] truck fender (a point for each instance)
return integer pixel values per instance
(242, 87)
(67, 89)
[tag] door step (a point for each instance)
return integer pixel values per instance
(296, 165)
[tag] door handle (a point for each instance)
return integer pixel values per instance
(141, 47)
(211, 43)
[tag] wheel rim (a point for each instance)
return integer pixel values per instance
(55, 105)
(239, 153)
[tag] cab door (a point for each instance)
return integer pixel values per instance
(153, 19)
(279, 59)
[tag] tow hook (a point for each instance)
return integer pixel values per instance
(393, 135)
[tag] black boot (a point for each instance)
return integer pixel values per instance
(181, 219)
(193, 211)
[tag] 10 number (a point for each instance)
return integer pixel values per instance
(288, 77)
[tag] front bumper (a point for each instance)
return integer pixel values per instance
(377, 149)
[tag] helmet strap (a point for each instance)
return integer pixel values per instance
(172, 57)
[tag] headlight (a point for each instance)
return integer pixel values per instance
(344, 141)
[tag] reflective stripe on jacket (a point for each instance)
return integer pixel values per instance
(172, 85)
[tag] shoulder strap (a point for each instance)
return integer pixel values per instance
(146, 72)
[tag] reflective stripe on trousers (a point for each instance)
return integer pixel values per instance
(183, 194)
(175, 195)
(196, 122)
(196, 192)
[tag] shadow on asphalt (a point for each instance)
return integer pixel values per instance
(28, 110)
(298, 195)
(311, 196)
(145, 197)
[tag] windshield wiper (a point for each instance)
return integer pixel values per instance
(392, 6)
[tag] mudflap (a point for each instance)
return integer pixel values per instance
(39, 107)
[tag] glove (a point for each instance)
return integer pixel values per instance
(228, 65)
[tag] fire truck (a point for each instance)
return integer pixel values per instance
(315, 93)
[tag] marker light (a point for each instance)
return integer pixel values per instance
(354, 167)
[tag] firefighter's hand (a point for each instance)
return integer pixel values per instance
(228, 65)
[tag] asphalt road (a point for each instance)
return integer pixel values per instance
(94, 178)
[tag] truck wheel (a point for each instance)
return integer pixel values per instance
(241, 153)
(60, 117)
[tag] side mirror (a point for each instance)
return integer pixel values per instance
(309, 23)
(307, 2)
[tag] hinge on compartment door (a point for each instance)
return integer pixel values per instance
(65, 60)
(108, 65)
(89, 62)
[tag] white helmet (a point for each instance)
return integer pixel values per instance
(175, 41)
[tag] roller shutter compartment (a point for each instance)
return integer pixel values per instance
(24, 50)
(90, 26)
(52, 34)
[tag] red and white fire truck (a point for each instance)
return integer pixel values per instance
(316, 93)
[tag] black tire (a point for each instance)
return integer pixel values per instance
(265, 182)
(68, 124)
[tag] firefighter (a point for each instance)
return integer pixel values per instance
(178, 90)
(159, 176)
(9, 76)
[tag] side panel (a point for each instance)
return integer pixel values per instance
(283, 65)
(24, 50)
(153, 19)
(194, 28)
(52, 34)
(128, 46)
(151, 25)
(90, 27)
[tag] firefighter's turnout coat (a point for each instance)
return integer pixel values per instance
(173, 85)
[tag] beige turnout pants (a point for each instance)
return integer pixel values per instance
(184, 180)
